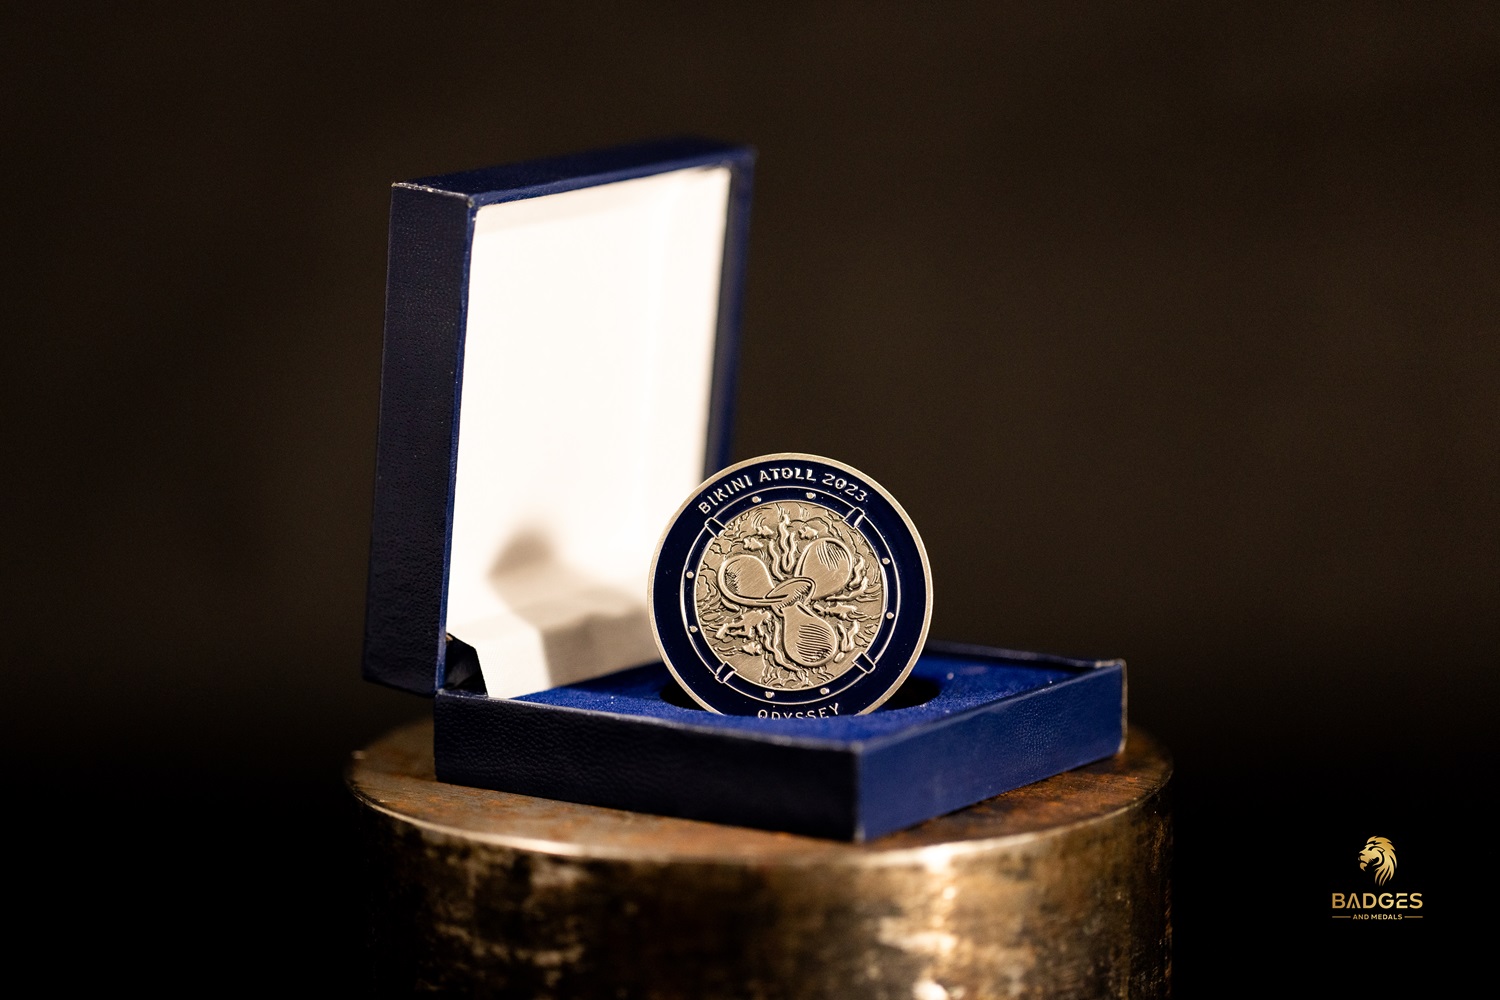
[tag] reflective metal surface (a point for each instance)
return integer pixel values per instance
(790, 595)
(1058, 889)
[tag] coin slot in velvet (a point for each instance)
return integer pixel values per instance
(914, 691)
(673, 694)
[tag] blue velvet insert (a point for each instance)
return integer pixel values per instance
(968, 723)
(958, 684)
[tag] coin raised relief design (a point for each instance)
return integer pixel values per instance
(789, 595)
(790, 586)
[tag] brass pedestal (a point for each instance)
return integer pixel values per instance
(1059, 889)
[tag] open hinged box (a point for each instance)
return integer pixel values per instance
(558, 375)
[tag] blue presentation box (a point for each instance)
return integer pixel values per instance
(968, 724)
(577, 320)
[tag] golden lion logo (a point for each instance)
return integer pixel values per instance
(1381, 856)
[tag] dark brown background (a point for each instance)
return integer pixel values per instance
(1181, 324)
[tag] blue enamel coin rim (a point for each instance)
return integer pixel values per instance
(808, 479)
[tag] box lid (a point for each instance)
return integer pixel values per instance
(560, 340)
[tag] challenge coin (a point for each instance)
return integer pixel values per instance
(790, 586)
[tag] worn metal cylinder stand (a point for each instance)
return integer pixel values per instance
(1059, 889)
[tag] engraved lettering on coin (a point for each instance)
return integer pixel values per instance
(789, 594)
